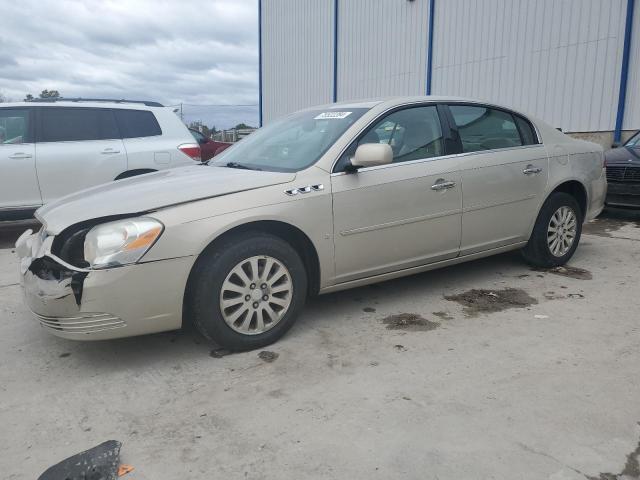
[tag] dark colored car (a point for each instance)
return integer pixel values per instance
(623, 174)
(209, 148)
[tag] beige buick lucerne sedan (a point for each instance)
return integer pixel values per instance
(325, 199)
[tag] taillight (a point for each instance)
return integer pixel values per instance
(192, 150)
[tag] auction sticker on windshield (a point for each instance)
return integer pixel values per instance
(328, 115)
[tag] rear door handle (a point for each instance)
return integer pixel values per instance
(531, 170)
(108, 151)
(19, 155)
(442, 184)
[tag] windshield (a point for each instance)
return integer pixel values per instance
(633, 141)
(292, 143)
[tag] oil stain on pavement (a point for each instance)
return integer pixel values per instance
(477, 301)
(409, 322)
(567, 271)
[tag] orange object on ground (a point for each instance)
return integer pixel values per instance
(124, 469)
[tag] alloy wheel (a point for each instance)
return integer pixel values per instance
(256, 294)
(561, 232)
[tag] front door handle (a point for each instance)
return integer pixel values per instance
(108, 151)
(20, 155)
(531, 170)
(442, 184)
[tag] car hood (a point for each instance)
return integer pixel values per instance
(153, 191)
(623, 156)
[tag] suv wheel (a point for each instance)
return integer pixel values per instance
(556, 233)
(247, 292)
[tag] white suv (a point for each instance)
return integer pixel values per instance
(52, 148)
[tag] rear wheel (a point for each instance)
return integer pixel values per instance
(556, 233)
(247, 292)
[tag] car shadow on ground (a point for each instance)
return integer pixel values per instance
(187, 345)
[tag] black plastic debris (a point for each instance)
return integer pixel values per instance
(97, 463)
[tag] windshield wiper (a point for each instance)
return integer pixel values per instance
(240, 165)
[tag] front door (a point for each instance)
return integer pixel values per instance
(404, 214)
(77, 148)
(18, 181)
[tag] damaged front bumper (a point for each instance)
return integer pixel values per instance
(86, 304)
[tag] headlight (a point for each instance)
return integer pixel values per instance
(120, 242)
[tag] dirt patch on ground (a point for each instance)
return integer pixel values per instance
(567, 271)
(443, 315)
(267, 356)
(478, 301)
(409, 322)
(368, 309)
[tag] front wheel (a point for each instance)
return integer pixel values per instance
(556, 233)
(247, 292)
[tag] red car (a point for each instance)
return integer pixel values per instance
(209, 148)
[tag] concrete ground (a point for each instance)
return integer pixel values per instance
(540, 382)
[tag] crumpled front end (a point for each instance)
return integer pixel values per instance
(83, 304)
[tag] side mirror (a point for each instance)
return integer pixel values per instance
(371, 155)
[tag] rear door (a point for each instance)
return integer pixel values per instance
(77, 148)
(504, 172)
(18, 180)
(401, 215)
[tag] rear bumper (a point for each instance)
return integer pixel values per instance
(105, 304)
(623, 194)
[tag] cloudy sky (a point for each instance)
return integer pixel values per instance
(173, 51)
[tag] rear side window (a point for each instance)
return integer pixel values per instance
(58, 124)
(483, 128)
(14, 126)
(137, 123)
(526, 131)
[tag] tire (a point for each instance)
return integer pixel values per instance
(538, 251)
(218, 277)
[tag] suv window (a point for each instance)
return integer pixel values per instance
(482, 128)
(60, 124)
(137, 123)
(14, 126)
(413, 133)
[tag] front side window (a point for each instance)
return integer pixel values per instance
(482, 128)
(137, 123)
(292, 143)
(14, 126)
(633, 141)
(412, 133)
(59, 124)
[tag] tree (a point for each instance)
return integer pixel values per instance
(242, 126)
(49, 94)
(3, 99)
(43, 94)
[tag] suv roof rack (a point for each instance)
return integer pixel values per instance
(62, 99)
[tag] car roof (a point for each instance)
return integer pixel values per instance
(80, 104)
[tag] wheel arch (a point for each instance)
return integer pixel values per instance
(577, 190)
(287, 232)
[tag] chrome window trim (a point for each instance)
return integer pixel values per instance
(435, 159)
(434, 103)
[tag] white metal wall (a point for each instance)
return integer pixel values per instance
(632, 108)
(556, 59)
(297, 55)
(382, 48)
(559, 60)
